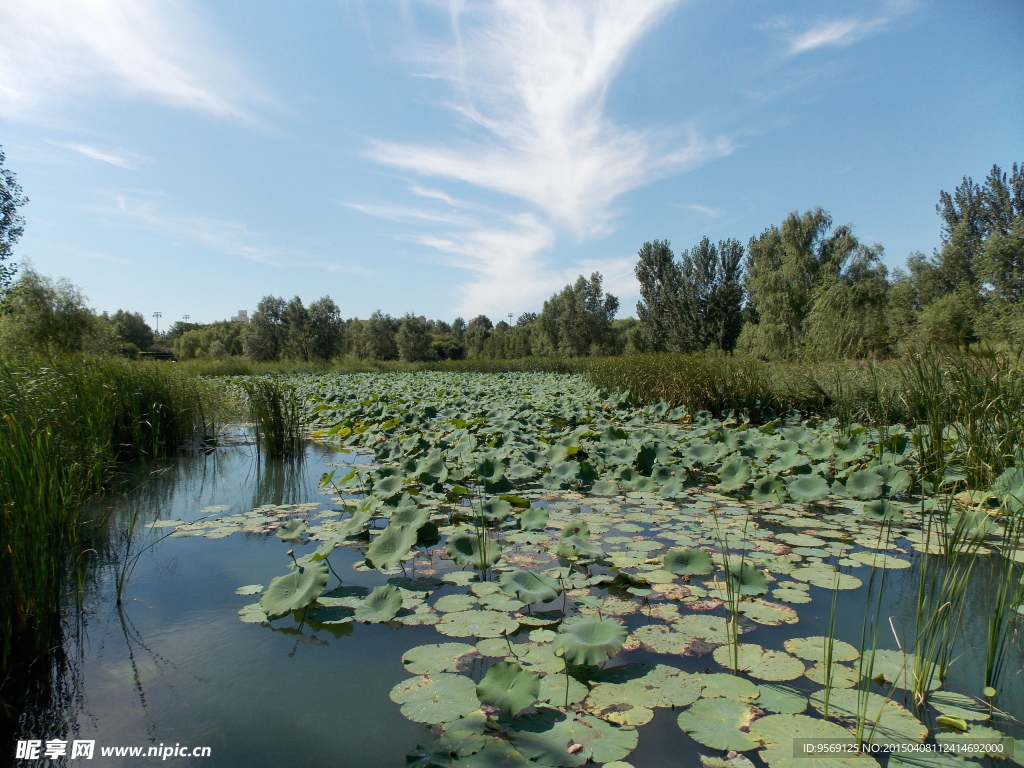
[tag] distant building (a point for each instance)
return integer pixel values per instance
(241, 317)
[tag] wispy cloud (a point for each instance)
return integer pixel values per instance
(121, 160)
(162, 50)
(529, 80)
(703, 209)
(847, 30)
(231, 238)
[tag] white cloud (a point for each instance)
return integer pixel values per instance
(838, 32)
(231, 238)
(121, 160)
(703, 209)
(55, 50)
(529, 81)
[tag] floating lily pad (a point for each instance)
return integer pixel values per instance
(388, 549)
(781, 699)
(452, 603)
(440, 698)
(886, 721)
(439, 657)
(721, 685)
(839, 675)
(958, 705)
(469, 549)
(252, 614)
(761, 663)
(720, 724)
(292, 529)
(879, 560)
(546, 736)
(898, 669)
(552, 689)
(815, 649)
(533, 519)
(779, 732)
(250, 589)
(476, 624)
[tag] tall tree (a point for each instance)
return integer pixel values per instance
(379, 337)
(132, 328)
(325, 328)
(660, 307)
(265, 336)
(414, 338)
(784, 268)
(577, 321)
(12, 225)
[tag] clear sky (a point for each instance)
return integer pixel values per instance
(455, 158)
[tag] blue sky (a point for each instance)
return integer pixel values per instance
(462, 157)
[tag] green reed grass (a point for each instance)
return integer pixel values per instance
(65, 426)
(275, 409)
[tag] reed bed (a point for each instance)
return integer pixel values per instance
(65, 427)
(276, 411)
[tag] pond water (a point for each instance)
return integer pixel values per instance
(173, 664)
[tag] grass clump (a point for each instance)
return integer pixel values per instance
(275, 409)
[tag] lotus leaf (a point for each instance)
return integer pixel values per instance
(879, 560)
(294, 590)
(529, 587)
(387, 486)
(887, 721)
(552, 689)
(509, 687)
(605, 488)
(468, 549)
(578, 547)
(625, 695)
(958, 705)
(882, 509)
(748, 579)
(495, 510)
(761, 663)
(808, 488)
(388, 549)
(410, 517)
(544, 736)
(778, 733)
(701, 453)
(896, 669)
(769, 614)
(439, 657)
(452, 603)
(533, 519)
(693, 634)
(726, 686)
(586, 640)
(440, 698)
(864, 484)
(476, 624)
(781, 699)
(719, 724)
(490, 470)
(795, 596)
(769, 489)
(382, 604)
(292, 530)
(249, 589)
(688, 561)
(252, 614)
(816, 648)
(984, 735)
(733, 474)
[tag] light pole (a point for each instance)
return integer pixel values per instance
(509, 319)
(185, 317)
(158, 315)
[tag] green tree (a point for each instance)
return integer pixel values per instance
(577, 321)
(297, 336)
(51, 317)
(413, 339)
(785, 266)
(476, 334)
(661, 307)
(265, 335)
(379, 337)
(133, 329)
(325, 328)
(12, 225)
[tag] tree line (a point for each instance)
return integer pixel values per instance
(800, 289)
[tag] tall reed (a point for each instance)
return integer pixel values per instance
(276, 412)
(65, 425)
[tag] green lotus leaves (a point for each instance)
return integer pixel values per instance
(476, 624)
(533, 519)
(490, 470)
(292, 530)
(817, 649)
(808, 488)
(719, 724)
(748, 579)
(882, 509)
(529, 587)
(733, 474)
(761, 663)
(440, 698)
(589, 641)
(900, 670)
(495, 510)
(1008, 489)
(439, 657)
(727, 686)
(957, 705)
(387, 486)
(294, 590)
(410, 516)
(469, 549)
(388, 549)
(781, 699)
(887, 721)
(778, 734)
(547, 736)
(701, 453)
(578, 547)
(509, 687)
(688, 561)
(864, 484)
(769, 489)
(382, 604)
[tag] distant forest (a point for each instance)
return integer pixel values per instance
(803, 289)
